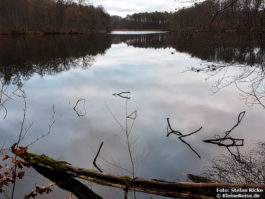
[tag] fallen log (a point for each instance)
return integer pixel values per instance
(55, 171)
(60, 172)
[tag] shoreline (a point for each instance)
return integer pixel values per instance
(120, 29)
(44, 33)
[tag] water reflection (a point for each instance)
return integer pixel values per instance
(153, 71)
(21, 57)
(230, 50)
(157, 40)
(249, 170)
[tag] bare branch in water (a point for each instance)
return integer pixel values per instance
(49, 128)
(126, 129)
(95, 159)
(21, 134)
(114, 117)
(133, 115)
(124, 94)
(170, 131)
(239, 119)
(75, 107)
(109, 162)
(5, 96)
(228, 141)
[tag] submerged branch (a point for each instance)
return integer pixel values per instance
(228, 141)
(95, 159)
(75, 107)
(170, 131)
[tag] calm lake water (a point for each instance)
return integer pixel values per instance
(168, 78)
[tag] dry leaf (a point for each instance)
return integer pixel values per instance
(5, 157)
(21, 174)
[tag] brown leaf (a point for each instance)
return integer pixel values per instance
(1, 166)
(17, 162)
(31, 195)
(23, 149)
(13, 147)
(7, 174)
(26, 164)
(21, 174)
(5, 157)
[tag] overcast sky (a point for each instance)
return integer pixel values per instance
(124, 7)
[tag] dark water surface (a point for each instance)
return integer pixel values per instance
(168, 78)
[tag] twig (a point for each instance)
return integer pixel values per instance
(79, 114)
(123, 94)
(234, 142)
(49, 128)
(170, 131)
(239, 119)
(190, 147)
(114, 117)
(20, 136)
(95, 159)
(126, 194)
(223, 9)
(133, 115)
(3, 92)
(108, 162)
(220, 141)
(126, 130)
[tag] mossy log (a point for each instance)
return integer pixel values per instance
(56, 172)
(61, 172)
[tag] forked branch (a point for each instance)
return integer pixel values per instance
(75, 107)
(95, 159)
(170, 131)
(228, 141)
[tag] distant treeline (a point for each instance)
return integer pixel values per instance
(51, 17)
(140, 21)
(217, 16)
(221, 16)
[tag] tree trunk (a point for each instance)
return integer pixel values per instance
(59, 172)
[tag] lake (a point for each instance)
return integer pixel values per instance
(73, 81)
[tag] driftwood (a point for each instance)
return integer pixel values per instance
(62, 172)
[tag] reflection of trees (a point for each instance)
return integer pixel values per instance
(22, 57)
(249, 170)
(142, 41)
(203, 46)
(228, 141)
(231, 50)
(249, 80)
(239, 62)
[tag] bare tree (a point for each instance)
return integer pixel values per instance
(250, 80)
(249, 170)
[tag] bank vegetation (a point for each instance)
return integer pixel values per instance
(51, 17)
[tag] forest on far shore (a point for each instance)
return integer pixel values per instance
(68, 17)
(51, 17)
(216, 16)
